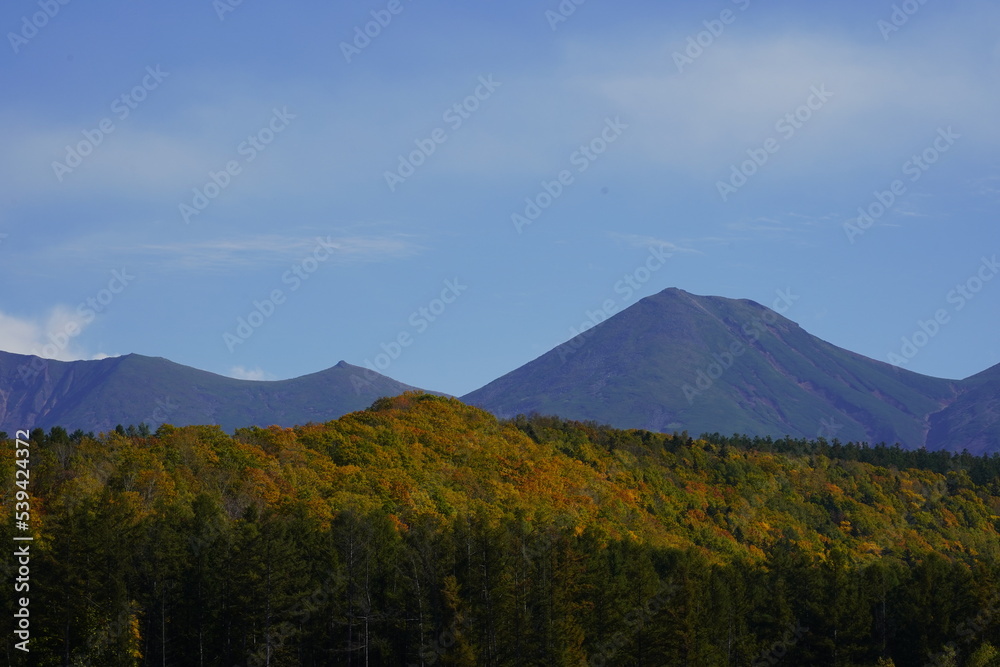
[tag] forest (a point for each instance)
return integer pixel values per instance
(423, 531)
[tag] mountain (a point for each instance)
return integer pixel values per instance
(673, 361)
(676, 361)
(972, 421)
(98, 395)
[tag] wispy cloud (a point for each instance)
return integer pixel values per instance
(761, 225)
(791, 227)
(643, 241)
(814, 221)
(881, 99)
(264, 250)
(130, 163)
(257, 374)
(988, 186)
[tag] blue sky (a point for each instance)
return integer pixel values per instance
(168, 169)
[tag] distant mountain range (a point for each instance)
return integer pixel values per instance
(99, 395)
(671, 362)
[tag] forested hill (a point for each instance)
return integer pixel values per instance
(424, 531)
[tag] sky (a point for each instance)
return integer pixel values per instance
(446, 191)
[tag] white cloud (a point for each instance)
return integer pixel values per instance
(256, 373)
(53, 336)
(17, 335)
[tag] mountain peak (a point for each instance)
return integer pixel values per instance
(96, 395)
(677, 361)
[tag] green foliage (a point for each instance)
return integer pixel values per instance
(424, 531)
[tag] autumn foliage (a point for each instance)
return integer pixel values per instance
(424, 531)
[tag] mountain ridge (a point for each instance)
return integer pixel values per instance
(673, 361)
(712, 364)
(99, 394)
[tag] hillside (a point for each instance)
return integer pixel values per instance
(423, 529)
(962, 422)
